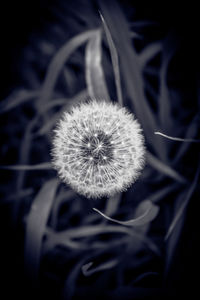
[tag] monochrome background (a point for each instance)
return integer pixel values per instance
(53, 244)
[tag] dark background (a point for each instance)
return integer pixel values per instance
(20, 19)
(23, 26)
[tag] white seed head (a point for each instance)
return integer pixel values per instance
(98, 149)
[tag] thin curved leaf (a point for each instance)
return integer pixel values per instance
(87, 271)
(69, 237)
(149, 212)
(81, 96)
(94, 73)
(129, 63)
(114, 59)
(165, 169)
(36, 227)
(173, 138)
(59, 60)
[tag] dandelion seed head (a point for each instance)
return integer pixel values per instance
(98, 149)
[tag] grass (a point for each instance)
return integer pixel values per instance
(67, 247)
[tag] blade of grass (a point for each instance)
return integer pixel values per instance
(87, 270)
(74, 238)
(165, 116)
(81, 96)
(135, 35)
(67, 237)
(90, 230)
(59, 60)
(131, 69)
(64, 197)
(192, 130)
(183, 207)
(151, 91)
(150, 212)
(165, 169)
(20, 97)
(36, 223)
(95, 80)
(175, 230)
(177, 138)
(42, 166)
(24, 154)
(70, 282)
(149, 52)
(115, 61)
(53, 241)
(160, 194)
(87, 231)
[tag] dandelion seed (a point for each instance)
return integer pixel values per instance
(97, 157)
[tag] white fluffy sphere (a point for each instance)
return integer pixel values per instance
(98, 149)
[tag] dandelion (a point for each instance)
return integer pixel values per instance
(98, 149)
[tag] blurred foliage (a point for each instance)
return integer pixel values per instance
(67, 250)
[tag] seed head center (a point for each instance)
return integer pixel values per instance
(97, 148)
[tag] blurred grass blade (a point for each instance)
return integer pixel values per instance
(42, 166)
(163, 168)
(69, 237)
(184, 204)
(177, 138)
(70, 281)
(16, 99)
(149, 212)
(94, 73)
(160, 194)
(59, 60)
(53, 242)
(87, 270)
(115, 61)
(36, 227)
(134, 35)
(25, 150)
(81, 96)
(192, 131)
(86, 231)
(60, 199)
(24, 156)
(149, 52)
(129, 62)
